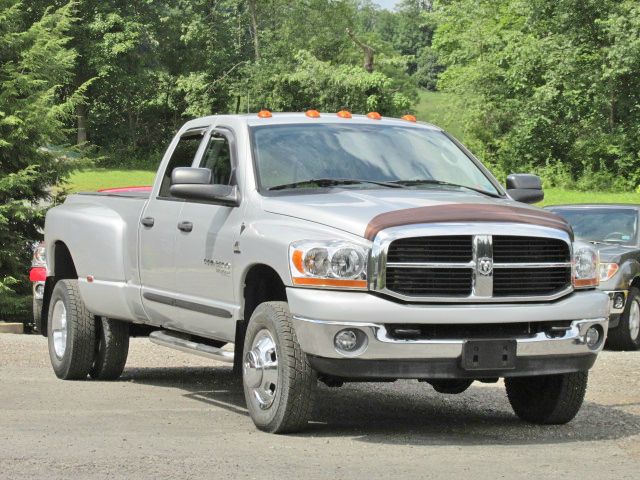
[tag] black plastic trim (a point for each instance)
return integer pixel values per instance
(447, 368)
(195, 307)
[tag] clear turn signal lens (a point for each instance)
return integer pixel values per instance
(608, 270)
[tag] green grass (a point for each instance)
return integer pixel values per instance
(441, 109)
(94, 179)
(554, 196)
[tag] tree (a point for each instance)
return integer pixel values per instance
(35, 63)
(548, 84)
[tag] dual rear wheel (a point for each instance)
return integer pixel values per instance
(81, 344)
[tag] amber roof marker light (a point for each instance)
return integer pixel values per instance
(312, 113)
(374, 116)
(409, 118)
(344, 114)
(264, 114)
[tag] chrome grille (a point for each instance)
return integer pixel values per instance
(478, 267)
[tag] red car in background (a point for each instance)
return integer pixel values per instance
(38, 272)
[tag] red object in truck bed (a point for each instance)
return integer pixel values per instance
(146, 188)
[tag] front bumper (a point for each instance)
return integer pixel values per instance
(318, 315)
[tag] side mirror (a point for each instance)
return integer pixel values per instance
(525, 188)
(195, 184)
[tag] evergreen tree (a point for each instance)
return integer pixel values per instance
(35, 66)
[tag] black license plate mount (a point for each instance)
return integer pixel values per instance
(489, 354)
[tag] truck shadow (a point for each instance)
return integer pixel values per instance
(404, 412)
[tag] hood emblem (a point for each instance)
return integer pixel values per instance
(485, 265)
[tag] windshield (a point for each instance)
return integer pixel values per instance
(609, 225)
(286, 154)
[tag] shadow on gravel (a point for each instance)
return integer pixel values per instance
(404, 412)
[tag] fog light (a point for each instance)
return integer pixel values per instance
(346, 340)
(350, 341)
(592, 338)
(618, 301)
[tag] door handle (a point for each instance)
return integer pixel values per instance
(147, 221)
(185, 226)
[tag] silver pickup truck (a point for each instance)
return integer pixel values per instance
(330, 247)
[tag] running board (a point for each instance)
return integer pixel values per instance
(171, 340)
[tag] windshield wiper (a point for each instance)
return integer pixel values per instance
(428, 181)
(332, 182)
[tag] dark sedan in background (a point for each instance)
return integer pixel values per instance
(614, 230)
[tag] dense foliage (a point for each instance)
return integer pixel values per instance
(548, 85)
(35, 65)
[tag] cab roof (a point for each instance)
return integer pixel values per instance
(252, 119)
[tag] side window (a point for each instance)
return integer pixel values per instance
(182, 156)
(217, 157)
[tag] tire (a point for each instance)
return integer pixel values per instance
(547, 399)
(626, 336)
(279, 399)
(72, 340)
(112, 349)
(29, 326)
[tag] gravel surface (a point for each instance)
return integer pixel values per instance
(173, 415)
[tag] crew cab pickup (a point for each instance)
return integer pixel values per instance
(333, 248)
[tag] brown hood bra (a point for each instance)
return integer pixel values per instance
(465, 212)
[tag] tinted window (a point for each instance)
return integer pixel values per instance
(217, 157)
(182, 156)
(609, 225)
(291, 153)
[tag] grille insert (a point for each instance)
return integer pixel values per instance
(508, 282)
(429, 282)
(509, 249)
(458, 248)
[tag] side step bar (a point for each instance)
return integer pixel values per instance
(174, 340)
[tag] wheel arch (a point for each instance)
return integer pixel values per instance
(60, 266)
(261, 283)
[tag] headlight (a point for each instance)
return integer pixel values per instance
(586, 265)
(608, 270)
(328, 264)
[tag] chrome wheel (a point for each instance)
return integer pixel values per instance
(59, 328)
(634, 320)
(260, 369)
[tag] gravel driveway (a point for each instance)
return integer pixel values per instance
(173, 415)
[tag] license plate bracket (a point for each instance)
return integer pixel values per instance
(489, 354)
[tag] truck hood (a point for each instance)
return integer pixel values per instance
(610, 252)
(356, 211)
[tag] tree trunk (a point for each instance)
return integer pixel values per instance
(367, 51)
(254, 28)
(81, 114)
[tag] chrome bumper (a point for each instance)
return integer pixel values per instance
(319, 314)
(316, 338)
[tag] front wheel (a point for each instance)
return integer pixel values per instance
(547, 399)
(278, 381)
(626, 336)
